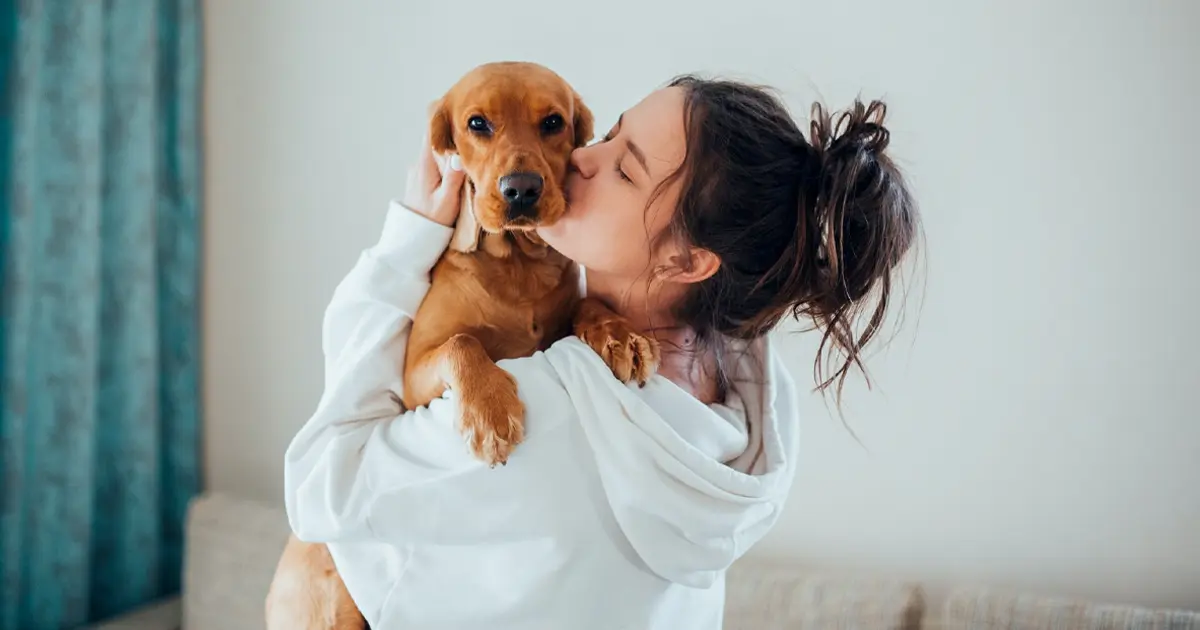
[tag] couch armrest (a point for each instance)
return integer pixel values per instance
(164, 614)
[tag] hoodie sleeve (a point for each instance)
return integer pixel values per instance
(359, 441)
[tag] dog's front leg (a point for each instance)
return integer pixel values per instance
(630, 355)
(492, 416)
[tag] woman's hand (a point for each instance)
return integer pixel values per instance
(435, 185)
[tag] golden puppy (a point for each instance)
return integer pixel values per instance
(498, 292)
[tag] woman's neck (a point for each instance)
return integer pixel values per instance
(683, 362)
(633, 300)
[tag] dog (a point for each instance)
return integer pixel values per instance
(498, 292)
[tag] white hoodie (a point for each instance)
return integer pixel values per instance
(622, 508)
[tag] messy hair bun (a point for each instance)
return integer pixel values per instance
(814, 227)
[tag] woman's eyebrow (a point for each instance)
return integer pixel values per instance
(637, 152)
(638, 155)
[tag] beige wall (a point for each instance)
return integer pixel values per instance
(1039, 429)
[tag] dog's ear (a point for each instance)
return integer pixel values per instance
(583, 122)
(441, 131)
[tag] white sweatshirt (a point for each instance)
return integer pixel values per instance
(622, 508)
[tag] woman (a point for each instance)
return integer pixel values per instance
(704, 217)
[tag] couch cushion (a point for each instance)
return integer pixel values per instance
(767, 596)
(987, 609)
(233, 547)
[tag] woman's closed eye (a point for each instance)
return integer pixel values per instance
(617, 166)
(621, 172)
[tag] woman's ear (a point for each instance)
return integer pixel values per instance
(692, 265)
(441, 133)
(583, 122)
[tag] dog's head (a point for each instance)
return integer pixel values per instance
(514, 126)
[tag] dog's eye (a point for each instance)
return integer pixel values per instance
(479, 124)
(552, 123)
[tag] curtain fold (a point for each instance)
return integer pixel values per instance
(99, 304)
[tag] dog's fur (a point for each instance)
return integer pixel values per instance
(499, 292)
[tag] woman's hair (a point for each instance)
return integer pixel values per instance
(809, 226)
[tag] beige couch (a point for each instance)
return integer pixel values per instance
(233, 545)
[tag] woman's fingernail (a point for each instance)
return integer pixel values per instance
(456, 162)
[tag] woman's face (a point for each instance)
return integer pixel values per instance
(607, 227)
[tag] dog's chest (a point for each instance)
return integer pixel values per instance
(523, 304)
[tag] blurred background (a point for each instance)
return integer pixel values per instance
(185, 182)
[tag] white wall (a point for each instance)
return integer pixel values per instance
(1038, 429)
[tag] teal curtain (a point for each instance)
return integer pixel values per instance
(99, 289)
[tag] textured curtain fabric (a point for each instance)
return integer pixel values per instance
(99, 288)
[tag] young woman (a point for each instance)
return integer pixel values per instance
(704, 216)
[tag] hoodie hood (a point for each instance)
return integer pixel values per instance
(691, 486)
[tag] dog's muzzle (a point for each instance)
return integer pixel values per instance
(521, 191)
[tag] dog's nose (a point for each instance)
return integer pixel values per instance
(521, 189)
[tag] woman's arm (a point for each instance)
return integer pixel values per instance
(356, 444)
(361, 468)
(359, 440)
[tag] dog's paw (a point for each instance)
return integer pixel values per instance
(493, 418)
(630, 355)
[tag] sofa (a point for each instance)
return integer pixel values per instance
(232, 546)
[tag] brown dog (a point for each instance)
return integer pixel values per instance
(499, 292)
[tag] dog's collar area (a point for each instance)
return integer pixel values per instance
(511, 242)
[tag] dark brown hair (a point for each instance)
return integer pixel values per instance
(814, 226)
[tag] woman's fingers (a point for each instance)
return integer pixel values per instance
(430, 173)
(453, 175)
(434, 186)
(447, 198)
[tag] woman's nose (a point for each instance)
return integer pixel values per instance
(582, 161)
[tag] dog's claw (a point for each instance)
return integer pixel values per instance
(492, 416)
(630, 355)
